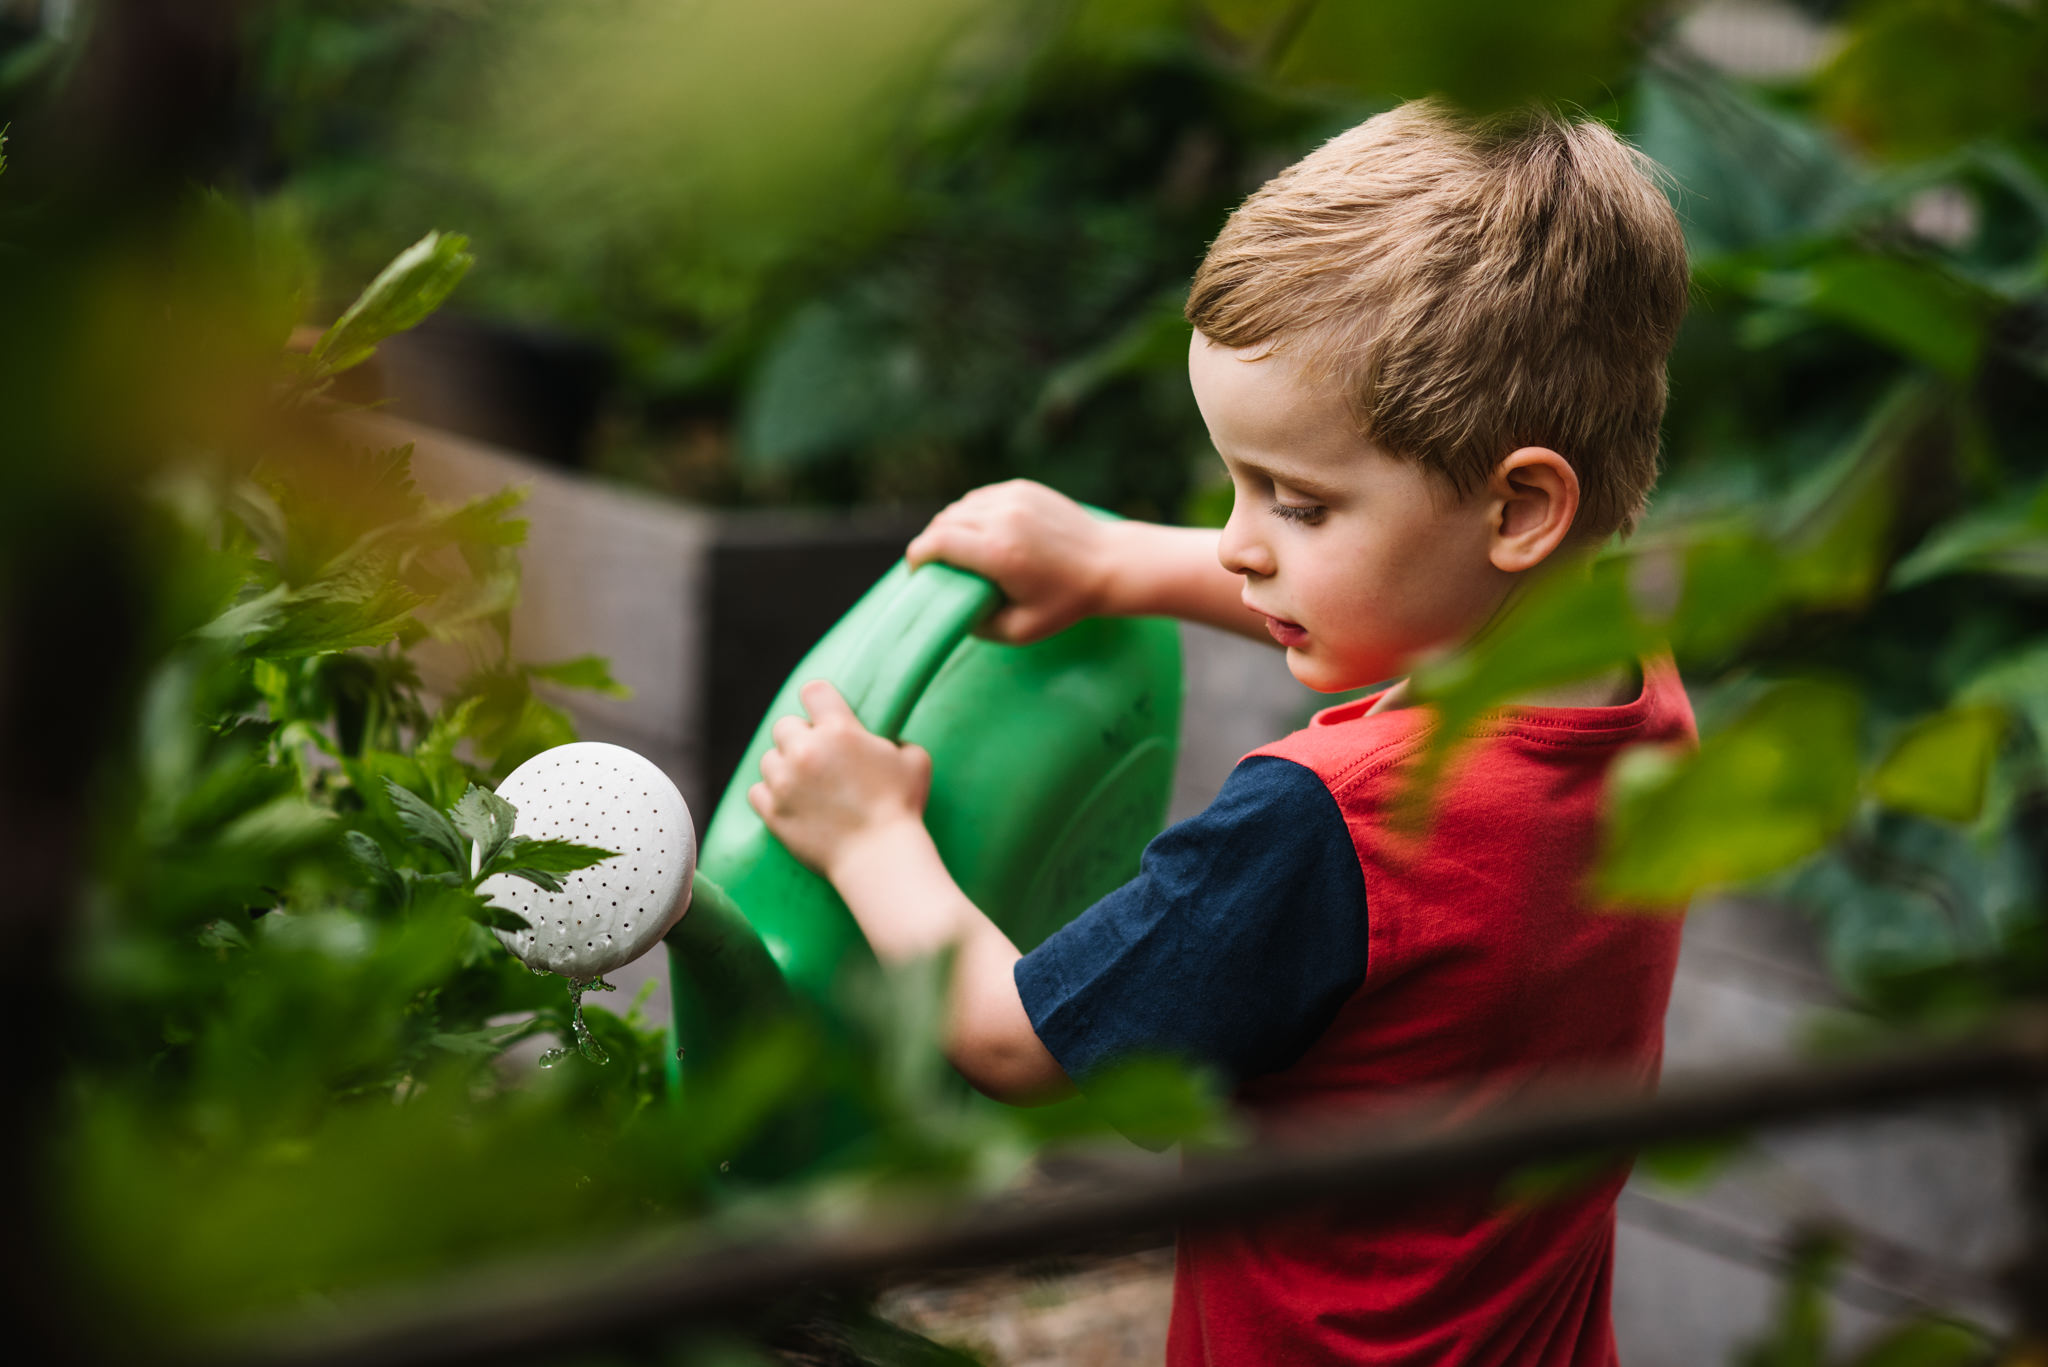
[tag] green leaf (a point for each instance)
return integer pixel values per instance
(482, 521)
(1767, 791)
(2008, 539)
(540, 878)
(1800, 1336)
(1691, 1162)
(259, 612)
(524, 855)
(486, 819)
(404, 292)
(497, 917)
(317, 624)
(1940, 765)
(223, 935)
(429, 826)
(1743, 175)
(1913, 307)
(593, 672)
(1926, 1343)
(368, 854)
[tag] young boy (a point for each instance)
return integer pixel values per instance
(1431, 355)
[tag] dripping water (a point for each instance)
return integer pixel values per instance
(586, 1043)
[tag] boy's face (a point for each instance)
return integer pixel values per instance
(1361, 562)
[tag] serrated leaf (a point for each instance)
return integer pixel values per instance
(549, 856)
(486, 819)
(592, 672)
(483, 521)
(404, 292)
(259, 613)
(316, 624)
(425, 824)
(1940, 766)
(370, 856)
(538, 877)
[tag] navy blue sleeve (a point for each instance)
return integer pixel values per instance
(1234, 947)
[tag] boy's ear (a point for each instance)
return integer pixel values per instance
(1532, 500)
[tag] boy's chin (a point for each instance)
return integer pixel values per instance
(1327, 676)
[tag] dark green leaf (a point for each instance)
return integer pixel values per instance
(429, 826)
(2008, 538)
(1911, 306)
(549, 856)
(540, 878)
(223, 935)
(370, 856)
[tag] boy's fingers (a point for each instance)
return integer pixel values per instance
(787, 730)
(774, 769)
(824, 704)
(944, 540)
(761, 800)
(1013, 625)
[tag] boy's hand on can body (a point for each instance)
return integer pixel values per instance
(1048, 554)
(830, 782)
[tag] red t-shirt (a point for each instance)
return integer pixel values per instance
(1488, 972)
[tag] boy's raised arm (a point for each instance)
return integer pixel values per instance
(850, 805)
(1056, 563)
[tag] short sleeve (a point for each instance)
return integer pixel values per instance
(1234, 947)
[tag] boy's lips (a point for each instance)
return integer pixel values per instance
(1285, 632)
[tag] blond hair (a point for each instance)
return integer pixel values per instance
(1474, 286)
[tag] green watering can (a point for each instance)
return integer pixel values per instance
(1052, 764)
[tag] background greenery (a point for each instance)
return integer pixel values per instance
(887, 252)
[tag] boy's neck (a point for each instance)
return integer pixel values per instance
(1613, 688)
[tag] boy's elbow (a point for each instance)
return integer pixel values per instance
(1005, 1066)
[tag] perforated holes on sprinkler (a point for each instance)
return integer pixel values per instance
(611, 913)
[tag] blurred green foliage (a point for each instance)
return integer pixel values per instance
(852, 253)
(291, 1075)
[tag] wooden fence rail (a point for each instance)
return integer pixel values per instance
(518, 1311)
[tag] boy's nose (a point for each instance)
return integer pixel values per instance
(1240, 550)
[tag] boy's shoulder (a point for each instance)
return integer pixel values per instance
(1364, 757)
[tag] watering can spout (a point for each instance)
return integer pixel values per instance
(722, 977)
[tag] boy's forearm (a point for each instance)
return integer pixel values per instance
(1157, 571)
(909, 907)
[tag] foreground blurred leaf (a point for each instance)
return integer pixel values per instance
(1484, 54)
(1940, 765)
(1926, 1343)
(592, 672)
(1768, 790)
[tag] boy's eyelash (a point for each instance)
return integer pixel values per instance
(1296, 513)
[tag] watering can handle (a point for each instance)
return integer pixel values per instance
(917, 630)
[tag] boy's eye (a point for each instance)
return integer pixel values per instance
(1298, 512)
